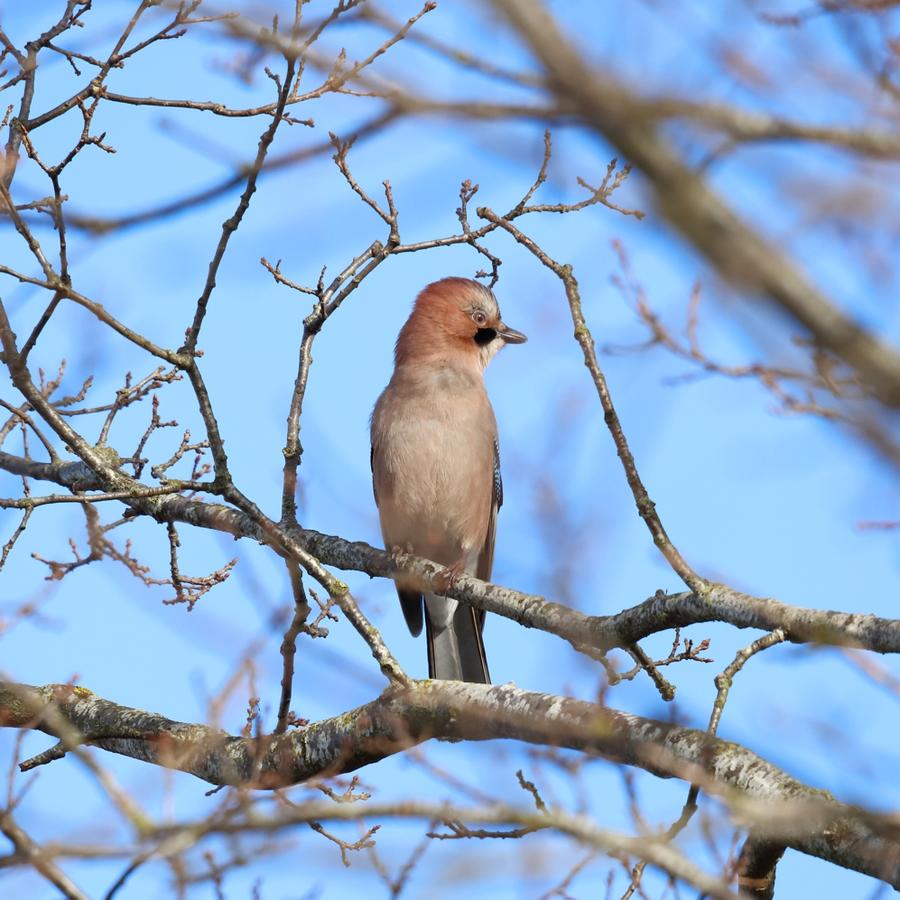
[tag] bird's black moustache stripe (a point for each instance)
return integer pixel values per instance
(485, 336)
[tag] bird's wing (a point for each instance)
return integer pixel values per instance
(410, 601)
(486, 559)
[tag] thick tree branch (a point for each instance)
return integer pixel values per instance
(804, 818)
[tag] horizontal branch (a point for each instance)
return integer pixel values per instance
(750, 125)
(218, 109)
(105, 224)
(718, 603)
(804, 818)
(72, 474)
(661, 612)
(654, 849)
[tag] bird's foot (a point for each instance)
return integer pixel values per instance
(447, 578)
(396, 551)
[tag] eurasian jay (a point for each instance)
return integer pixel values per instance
(436, 462)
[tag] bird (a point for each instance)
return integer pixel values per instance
(435, 460)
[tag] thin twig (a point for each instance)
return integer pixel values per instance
(645, 506)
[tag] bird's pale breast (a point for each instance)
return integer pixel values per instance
(433, 459)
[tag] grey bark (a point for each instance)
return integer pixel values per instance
(780, 807)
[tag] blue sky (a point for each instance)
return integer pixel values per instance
(767, 502)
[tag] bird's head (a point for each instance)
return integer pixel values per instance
(455, 319)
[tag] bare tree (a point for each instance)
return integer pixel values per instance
(144, 484)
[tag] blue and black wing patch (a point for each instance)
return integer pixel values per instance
(498, 479)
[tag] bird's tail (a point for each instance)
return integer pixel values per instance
(455, 647)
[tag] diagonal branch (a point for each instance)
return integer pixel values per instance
(693, 208)
(232, 224)
(30, 850)
(645, 506)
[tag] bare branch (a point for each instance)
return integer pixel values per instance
(33, 853)
(703, 218)
(806, 819)
(645, 506)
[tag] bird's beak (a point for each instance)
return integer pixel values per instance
(510, 335)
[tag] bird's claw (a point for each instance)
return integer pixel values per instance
(447, 578)
(396, 551)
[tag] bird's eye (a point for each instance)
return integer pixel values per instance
(479, 318)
